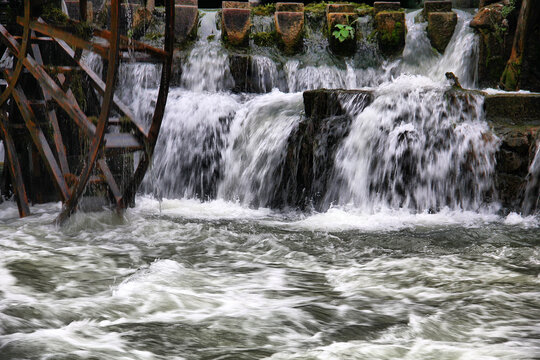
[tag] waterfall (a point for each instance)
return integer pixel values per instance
(258, 139)
(207, 68)
(416, 147)
(460, 56)
(531, 200)
(419, 145)
(188, 161)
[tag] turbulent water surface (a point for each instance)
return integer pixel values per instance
(405, 260)
(215, 280)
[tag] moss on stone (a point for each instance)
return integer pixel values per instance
(266, 39)
(510, 76)
(319, 8)
(392, 39)
(264, 10)
(54, 15)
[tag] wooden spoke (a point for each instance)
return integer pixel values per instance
(68, 37)
(109, 178)
(51, 114)
(14, 168)
(41, 142)
(104, 144)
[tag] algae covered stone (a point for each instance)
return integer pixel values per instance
(440, 29)
(391, 30)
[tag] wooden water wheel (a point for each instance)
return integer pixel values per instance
(103, 139)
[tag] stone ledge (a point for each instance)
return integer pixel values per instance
(513, 109)
(339, 8)
(289, 7)
(379, 6)
(235, 5)
(437, 6)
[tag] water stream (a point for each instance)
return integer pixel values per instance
(405, 260)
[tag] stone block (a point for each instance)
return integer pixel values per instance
(348, 46)
(290, 28)
(513, 109)
(437, 6)
(235, 5)
(465, 4)
(236, 24)
(379, 6)
(186, 18)
(440, 29)
(290, 7)
(339, 8)
(391, 30)
(187, 2)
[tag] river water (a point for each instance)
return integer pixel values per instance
(404, 259)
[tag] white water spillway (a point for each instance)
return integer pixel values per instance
(281, 224)
(413, 147)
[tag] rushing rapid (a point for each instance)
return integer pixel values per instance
(403, 258)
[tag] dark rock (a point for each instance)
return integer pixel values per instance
(488, 17)
(236, 24)
(441, 28)
(246, 76)
(391, 30)
(437, 6)
(240, 68)
(515, 119)
(347, 46)
(187, 2)
(495, 43)
(186, 18)
(465, 4)
(379, 6)
(290, 7)
(513, 160)
(290, 27)
(307, 170)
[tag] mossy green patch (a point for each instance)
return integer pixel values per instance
(54, 15)
(264, 10)
(510, 76)
(265, 39)
(391, 41)
(320, 7)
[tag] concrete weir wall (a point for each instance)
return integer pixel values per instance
(513, 118)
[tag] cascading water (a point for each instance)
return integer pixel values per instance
(410, 148)
(531, 200)
(206, 68)
(397, 263)
(416, 147)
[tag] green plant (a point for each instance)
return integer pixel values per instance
(507, 9)
(343, 32)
